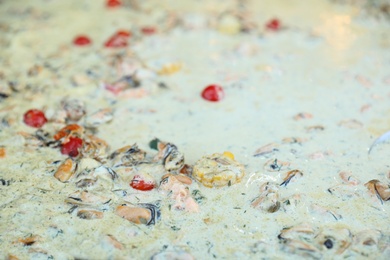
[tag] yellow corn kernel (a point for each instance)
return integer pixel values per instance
(170, 68)
(228, 154)
(218, 170)
(218, 178)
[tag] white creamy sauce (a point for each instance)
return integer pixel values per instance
(330, 61)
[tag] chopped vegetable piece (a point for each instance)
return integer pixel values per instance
(71, 129)
(34, 118)
(118, 40)
(213, 93)
(228, 154)
(139, 183)
(2, 152)
(82, 40)
(273, 25)
(148, 30)
(72, 147)
(113, 3)
(153, 143)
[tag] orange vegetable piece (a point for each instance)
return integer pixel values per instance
(2, 152)
(68, 130)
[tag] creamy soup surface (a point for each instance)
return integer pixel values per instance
(130, 159)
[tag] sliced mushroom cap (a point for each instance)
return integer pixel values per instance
(379, 189)
(340, 238)
(114, 242)
(66, 170)
(89, 214)
(86, 198)
(135, 215)
(28, 241)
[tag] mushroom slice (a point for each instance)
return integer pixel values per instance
(85, 198)
(114, 242)
(133, 214)
(95, 148)
(30, 240)
(348, 178)
(291, 174)
(367, 238)
(337, 239)
(89, 214)
(299, 240)
(275, 165)
(266, 149)
(296, 231)
(300, 247)
(147, 213)
(268, 200)
(173, 160)
(323, 211)
(167, 178)
(99, 117)
(66, 170)
(127, 156)
(106, 173)
(381, 190)
(74, 108)
(369, 242)
(86, 182)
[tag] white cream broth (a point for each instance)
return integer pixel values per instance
(329, 62)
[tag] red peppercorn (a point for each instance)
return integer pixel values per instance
(148, 30)
(34, 118)
(119, 39)
(213, 93)
(72, 147)
(113, 3)
(273, 25)
(81, 40)
(139, 183)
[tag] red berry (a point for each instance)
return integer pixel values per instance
(273, 25)
(148, 30)
(81, 40)
(72, 147)
(139, 183)
(113, 3)
(213, 93)
(34, 118)
(119, 39)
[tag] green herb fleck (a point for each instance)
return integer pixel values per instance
(153, 144)
(174, 228)
(198, 197)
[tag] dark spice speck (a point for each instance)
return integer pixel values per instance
(328, 243)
